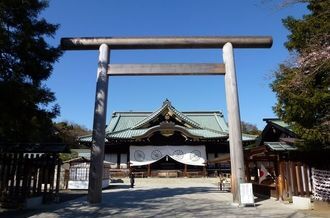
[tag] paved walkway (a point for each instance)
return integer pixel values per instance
(167, 198)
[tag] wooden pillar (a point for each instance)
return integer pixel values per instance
(299, 180)
(234, 123)
(281, 182)
(118, 160)
(98, 136)
(185, 170)
(255, 170)
(130, 169)
(294, 178)
(288, 179)
(247, 170)
(149, 170)
(58, 178)
(307, 179)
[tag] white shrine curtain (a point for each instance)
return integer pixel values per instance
(190, 155)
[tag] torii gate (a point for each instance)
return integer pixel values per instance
(105, 44)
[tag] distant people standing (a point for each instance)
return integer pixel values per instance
(221, 181)
(132, 179)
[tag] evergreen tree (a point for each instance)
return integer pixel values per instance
(249, 128)
(68, 132)
(25, 63)
(302, 86)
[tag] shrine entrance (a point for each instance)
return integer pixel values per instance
(105, 69)
(159, 161)
(167, 163)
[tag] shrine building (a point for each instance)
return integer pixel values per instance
(166, 142)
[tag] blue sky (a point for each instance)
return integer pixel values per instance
(74, 75)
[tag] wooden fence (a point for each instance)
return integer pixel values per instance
(25, 176)
(294, 180)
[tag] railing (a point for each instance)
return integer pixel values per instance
(294, 179)
(25, 176)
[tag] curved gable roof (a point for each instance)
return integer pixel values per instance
(201, 124)
(167, 106)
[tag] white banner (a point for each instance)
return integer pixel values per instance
(246, 193)
(190, 155)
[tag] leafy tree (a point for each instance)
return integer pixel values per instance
(68, 156)
(249, 128)
(68, 132)
(25, 63)
(302, 86)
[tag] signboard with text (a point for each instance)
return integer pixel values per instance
(246, 193)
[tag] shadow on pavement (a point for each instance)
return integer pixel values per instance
(64, 196)
(159, 202)
(117, 202)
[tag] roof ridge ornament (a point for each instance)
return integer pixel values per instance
(167, 109)
(167, 102)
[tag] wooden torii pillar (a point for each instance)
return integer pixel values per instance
(105, 44)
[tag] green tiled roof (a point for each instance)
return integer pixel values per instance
(87, 138)
(282, 124)
(213, 121)
(131, 133)
(280, 146)
(81, 150)
(205, 133)
(125, 134)
(204, 124)
(125, 120)
(209, 120)
(279, 122)
(247, 137)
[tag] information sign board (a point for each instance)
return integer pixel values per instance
(246, 193)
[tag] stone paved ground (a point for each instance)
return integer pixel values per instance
(167, 198)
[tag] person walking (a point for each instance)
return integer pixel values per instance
(132, 179)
